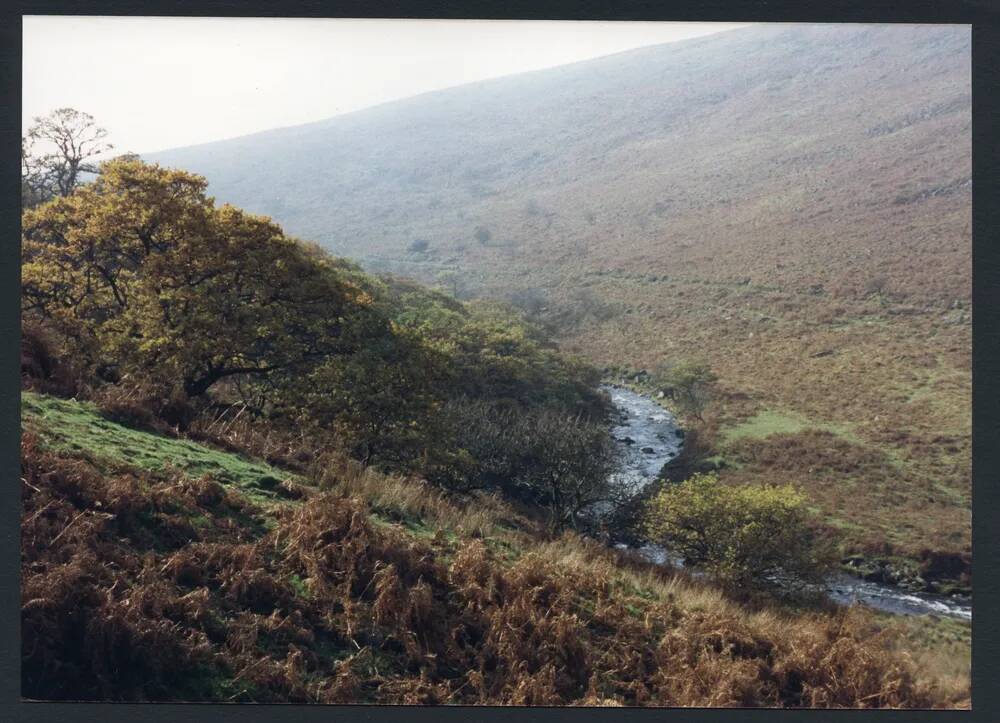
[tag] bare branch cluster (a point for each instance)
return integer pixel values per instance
(56, 150)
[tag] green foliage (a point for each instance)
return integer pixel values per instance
(744, 535)
(545, 456)
(689, 383)
(380, 399)
(145, 283)
(490, 351)
(144, 276)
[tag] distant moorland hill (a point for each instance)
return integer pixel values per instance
(789, 155)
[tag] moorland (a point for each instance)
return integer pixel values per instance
(343, 441)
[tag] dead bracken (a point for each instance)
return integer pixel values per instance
(139, 586)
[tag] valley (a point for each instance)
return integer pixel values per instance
(716, 198)
(639, 381)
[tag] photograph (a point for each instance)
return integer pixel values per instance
(492, 362)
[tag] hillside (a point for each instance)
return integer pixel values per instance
(161, 568)
(790, 203)
(792, 155)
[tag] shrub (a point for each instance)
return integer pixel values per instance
(748, 536)
(531, 301)
(690, 384)
(876, 285)
(546, 457)
(44, 364)
(695, 456)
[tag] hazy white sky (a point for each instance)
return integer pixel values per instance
(159, 83)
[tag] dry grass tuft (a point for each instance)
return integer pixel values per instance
(412, 498)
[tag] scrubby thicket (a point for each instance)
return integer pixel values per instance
(174, 310)
(155, 586)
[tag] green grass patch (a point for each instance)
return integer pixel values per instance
(70, 425)
(299, 586)
(769, 421)
(764, 424)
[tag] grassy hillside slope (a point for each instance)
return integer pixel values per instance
(791, 203)
(792, 155)
(158, 568)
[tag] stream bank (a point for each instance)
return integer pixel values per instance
(649, 437)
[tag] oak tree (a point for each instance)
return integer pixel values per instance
(145, 276)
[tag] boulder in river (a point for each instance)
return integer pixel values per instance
(648, 450)
(874, 572)
(627, 440)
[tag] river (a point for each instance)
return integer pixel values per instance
(648, 437)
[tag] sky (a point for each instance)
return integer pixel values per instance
(156, 83)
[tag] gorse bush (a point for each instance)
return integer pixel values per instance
(746, 536)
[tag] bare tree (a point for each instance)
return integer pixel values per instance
(56, 150)
(576, 457)
(555, 460)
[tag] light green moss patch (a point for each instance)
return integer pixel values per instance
(70, 425)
